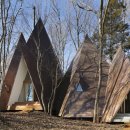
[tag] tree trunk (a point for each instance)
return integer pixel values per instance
(96, 112)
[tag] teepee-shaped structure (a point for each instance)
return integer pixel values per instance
(15, 79)
(83, 81)
(37, 61)
(49, 72)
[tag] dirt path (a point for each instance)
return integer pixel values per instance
(41, 121)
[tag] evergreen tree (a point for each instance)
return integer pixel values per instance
(115, 28)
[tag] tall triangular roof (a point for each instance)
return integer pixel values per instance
(10, 76)
(38, 45)
(50, 69)
(84, 71)
(118, 85)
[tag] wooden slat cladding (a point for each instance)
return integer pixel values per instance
(118, 85)
(10, 75)
(81, 104)
(114, 71)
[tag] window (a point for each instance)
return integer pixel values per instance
(82, 86)
(29, 95)
(79, 88)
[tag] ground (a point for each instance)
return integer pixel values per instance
(40, 121)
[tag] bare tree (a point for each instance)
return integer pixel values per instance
(80, 22)
(102, 18)
(58, 31)
(96, 116)
(8, 15)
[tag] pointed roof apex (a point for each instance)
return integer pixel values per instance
(39, 20)
(21, 36)
(21, 39)
(39, 23)
(87, 39)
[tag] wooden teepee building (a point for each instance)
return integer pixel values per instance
(36, 61)
(82, 83)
